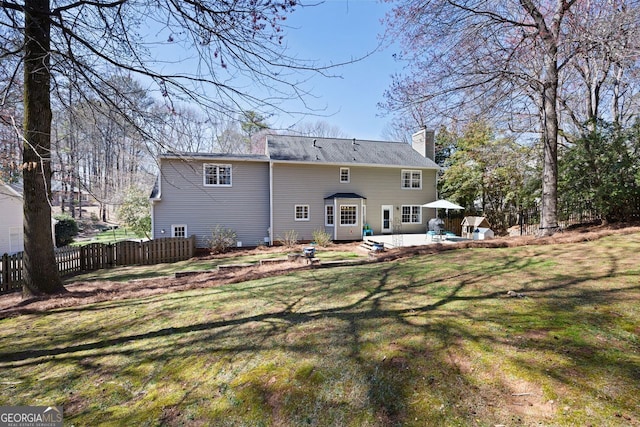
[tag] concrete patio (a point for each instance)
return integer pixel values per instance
(401, 240)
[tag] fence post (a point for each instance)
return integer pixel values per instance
(192, 245)
(5, 271)
(110, 249)
(83, 255)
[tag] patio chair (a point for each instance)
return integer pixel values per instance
(436, 229)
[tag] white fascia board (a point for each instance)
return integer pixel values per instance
(229, 158)
(371, 165)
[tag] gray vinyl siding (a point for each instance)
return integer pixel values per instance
(349, 232)
(309, 184)
(243, 207)
(11, 218)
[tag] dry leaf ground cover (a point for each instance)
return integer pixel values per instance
(423, 339)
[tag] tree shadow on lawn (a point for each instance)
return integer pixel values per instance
(410, 347)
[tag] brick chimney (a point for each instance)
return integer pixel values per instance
(423, 142)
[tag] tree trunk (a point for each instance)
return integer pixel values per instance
(40, 269)
(549, 36)
(549, 215)
(615, 101)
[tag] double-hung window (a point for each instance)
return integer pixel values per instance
(412, 179)
(301, 212)
(328, 215)
(348, 215)
(345, 175)
(412, 214)
(216, 175)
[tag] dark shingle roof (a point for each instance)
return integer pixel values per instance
(17, 187)
(184, 155)
(344, 196)
(344, 151)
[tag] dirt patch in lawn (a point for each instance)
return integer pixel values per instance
(81, 293)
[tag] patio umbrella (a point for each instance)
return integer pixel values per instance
(442, 204)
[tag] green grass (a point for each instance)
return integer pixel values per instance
(110, 236)
(431, 340)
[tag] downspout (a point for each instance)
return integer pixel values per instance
(154, 201)
(362, 219)
(270, 203)
(335, 219)
(153, 220)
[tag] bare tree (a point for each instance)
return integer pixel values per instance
(602, 82)
(319, 128)
(10, 143)
(186, 129)
(233, 42)
(101, 151)
(502, 59)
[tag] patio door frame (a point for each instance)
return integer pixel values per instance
(388, 208)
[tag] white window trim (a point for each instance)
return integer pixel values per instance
(411, 213)
(217, 165)
(173, 229)
(326, 216)
(295, 213)
(355, 216)
(410, 171)
(348, 175)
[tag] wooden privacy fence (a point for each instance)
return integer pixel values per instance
(454, 225)
(95, 256)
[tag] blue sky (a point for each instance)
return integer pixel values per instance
(331, 32)
(337, 31)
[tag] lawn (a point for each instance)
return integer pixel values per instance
(124, 274)
(424, 341)
(110, 236)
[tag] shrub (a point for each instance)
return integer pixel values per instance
(321, 237)
(134, 212)
(66, 229)
(222, 239)
(290, 238)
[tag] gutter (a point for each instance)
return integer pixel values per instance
(270, 203)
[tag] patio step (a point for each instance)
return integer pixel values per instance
(372, 245)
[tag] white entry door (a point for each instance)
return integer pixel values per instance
(387, 218)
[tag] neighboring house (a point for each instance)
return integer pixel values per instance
(300, 183)
(63, 193)
(11, 214)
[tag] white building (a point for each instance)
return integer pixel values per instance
(11, 225)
